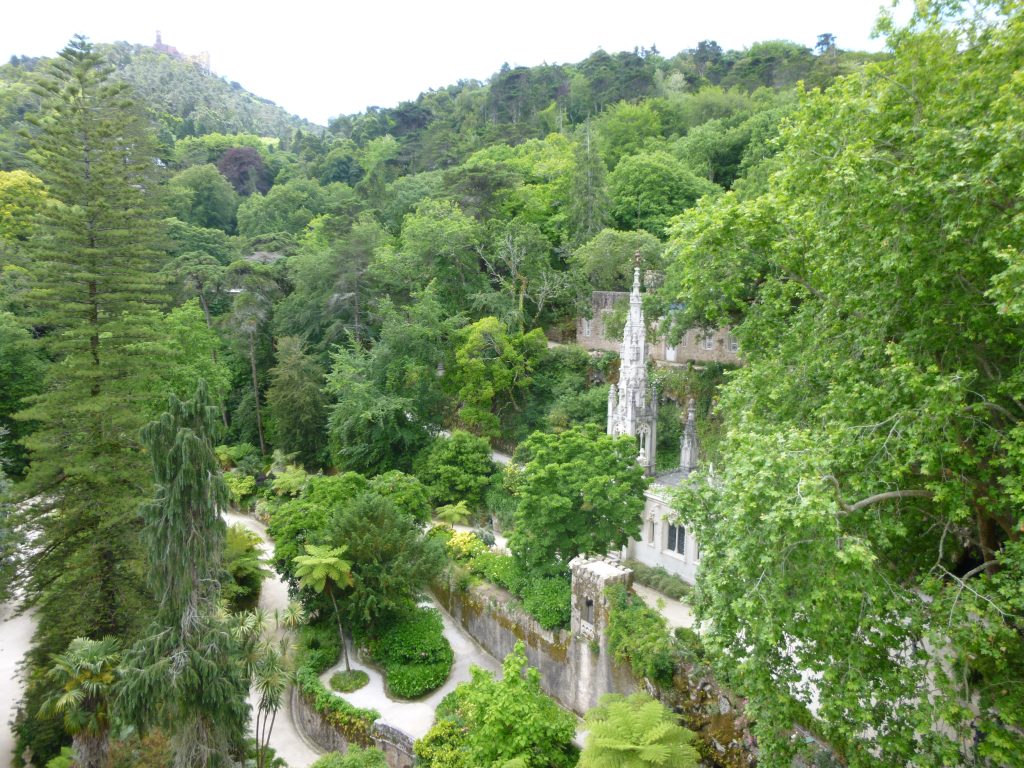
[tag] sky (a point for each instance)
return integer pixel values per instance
(320, 59)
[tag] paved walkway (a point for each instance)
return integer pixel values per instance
(676, 612)
(416, 717)
(15, 639)
(286, 739)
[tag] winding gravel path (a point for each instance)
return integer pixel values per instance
(285, 738)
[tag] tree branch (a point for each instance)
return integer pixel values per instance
(878, 497)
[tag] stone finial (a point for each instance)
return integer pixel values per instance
(688, 449)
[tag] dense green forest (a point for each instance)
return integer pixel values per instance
(207, 302)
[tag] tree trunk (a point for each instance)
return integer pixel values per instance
(256, 396)
(341, 632)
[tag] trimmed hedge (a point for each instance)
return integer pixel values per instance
(659, 579)
(319, 649)
(415, 654)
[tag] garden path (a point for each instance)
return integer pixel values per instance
(15, 638)
(416, 717)
(286, 739)
(676, 612)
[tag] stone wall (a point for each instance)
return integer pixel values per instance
(396, 745)
(695, 345)
(574, 671)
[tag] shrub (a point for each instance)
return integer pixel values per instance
(457, 469)
(659, 579)
(499, 502)
(349, 680)
(353, 758)
(502, 570)
(549, 600)
(406, 492)
(244, 565)
(414, 652)
(464, 546)
(639, 636)
(441, 531)
(290, 482)
(319, 648)
(240, 487)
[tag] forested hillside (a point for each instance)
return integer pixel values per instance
(370, 306)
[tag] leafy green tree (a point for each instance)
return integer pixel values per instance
(287, 207)
(512, 718)
(22, 197)
(299, 521)
(623, 128)
(392, 561)
(186, 676)
(608, 259)
(635, 732)
(295, 405)
(324, 570)
(649, 188)
(457, 469)
(84, 677)
(864, 527)
(201, 196)
(579, 491)
(491, 372)
(406, 492)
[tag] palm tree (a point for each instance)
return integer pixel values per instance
(270, 668)
(85, 674)
(635, 732)
(322, 569)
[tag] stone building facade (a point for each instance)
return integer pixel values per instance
(633, 410)
(695, 346)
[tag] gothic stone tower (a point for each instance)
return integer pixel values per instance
(633, 405)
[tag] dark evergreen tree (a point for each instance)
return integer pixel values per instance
(187, 675)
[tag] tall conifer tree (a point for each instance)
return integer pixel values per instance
(187, 675)
(92, 267)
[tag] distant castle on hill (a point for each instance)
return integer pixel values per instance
(201, 60)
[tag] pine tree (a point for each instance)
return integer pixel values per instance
(92, 295)
(187, 675)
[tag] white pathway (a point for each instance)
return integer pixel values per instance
(285, 738)
(416, 717)
(15, 638)
(676, 612)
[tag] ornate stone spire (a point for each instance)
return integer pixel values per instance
(631, 409)
(688, 442)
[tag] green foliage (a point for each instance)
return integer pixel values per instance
(300, 521)
(512, 718)
(579, 491)
(454, 514)
(291, 481)
(354, 757)
(391, 560)
(635, 732)
(84, 677)
(414, 652)
(607, 259)
(319, 649)
(346, 682)
(639, 636)
(200, 195)
(296, 411)
(870, 467)
(491, 372)
(443, 745)
(649, 188)
(549, 600)
(464, 546)
(243, 561)
(499, 504)
(405, 492)
(656, 577)
(240, 487)
(186, 675)
(21, 375)
(457, 469)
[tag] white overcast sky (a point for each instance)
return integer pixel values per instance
(319, 59)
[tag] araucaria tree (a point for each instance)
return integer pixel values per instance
(92, 286)
(861, 548)
(187, 675)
